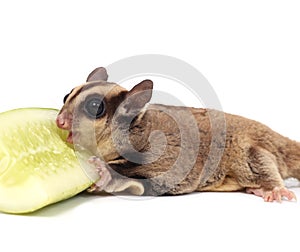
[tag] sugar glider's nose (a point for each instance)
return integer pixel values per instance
(64, 121)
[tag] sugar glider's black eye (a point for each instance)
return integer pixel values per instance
(66, 96)
(94, 107)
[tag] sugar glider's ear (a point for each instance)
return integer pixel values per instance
(138, 96)
(97, 75)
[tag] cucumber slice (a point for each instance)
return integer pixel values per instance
(37, 166)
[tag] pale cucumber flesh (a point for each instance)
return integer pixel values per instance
(37, 166)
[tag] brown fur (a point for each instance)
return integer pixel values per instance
(252, 155)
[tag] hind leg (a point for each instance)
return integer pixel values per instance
(266, 180)
(276, 194)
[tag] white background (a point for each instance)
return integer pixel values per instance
(248, 50)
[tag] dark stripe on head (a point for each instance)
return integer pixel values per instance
(77, 90)
(73, 94)
(67, 95)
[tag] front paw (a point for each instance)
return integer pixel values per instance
(105, 176)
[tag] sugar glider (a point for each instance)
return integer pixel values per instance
(167, 149)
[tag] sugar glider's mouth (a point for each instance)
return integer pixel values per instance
(72, 136)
